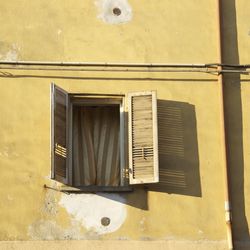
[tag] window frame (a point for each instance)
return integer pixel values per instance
(100, 100)
(127, 178)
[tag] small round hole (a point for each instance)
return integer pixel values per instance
(117, 11)
(105, 221)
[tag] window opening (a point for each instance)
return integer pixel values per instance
(96, 145)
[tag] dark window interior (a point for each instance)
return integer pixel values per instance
(96, 145)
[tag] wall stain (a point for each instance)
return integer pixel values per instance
(114, 11)
(9, 52)
(50, 230)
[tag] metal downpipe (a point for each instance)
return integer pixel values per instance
(223, 133)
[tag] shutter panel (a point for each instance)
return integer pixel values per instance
(59, 134)
(143, 138)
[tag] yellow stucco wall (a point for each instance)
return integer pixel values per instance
(157, 31)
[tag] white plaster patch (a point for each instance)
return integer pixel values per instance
(12, 54)
(106, 11)
(89, 209)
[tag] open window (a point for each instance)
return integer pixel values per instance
(93, 144)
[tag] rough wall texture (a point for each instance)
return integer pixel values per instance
(188, 210)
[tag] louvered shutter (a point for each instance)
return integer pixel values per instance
(59, 134)
(143, 138)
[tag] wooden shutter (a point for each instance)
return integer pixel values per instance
(143, 138)
(59, 134)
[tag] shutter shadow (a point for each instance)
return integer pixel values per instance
(178, 149)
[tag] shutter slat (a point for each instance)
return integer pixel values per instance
(59, 135)
(143, 141)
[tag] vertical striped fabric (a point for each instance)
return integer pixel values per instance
(96, 156)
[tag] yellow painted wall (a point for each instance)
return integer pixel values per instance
(159, 31)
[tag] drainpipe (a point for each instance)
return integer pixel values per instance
(223, 132)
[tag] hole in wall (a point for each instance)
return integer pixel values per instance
(117, 11)
(105, 221)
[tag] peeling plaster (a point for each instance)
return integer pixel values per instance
(142, 224)
(49, 230)
(86, 212)
(8, 152)
(89, 209)
(50, 205)
(106, 14)
(9, 52)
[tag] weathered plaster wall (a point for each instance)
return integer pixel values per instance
(155, 31)
(61, 30)
(47, 214)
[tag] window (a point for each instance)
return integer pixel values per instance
(93, 144)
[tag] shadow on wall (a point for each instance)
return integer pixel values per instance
(178, 149)
(178, 156)
(233, 122)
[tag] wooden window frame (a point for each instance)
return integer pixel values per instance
(124, 102)
(101, 100)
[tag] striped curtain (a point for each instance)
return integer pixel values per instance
(96, 156)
